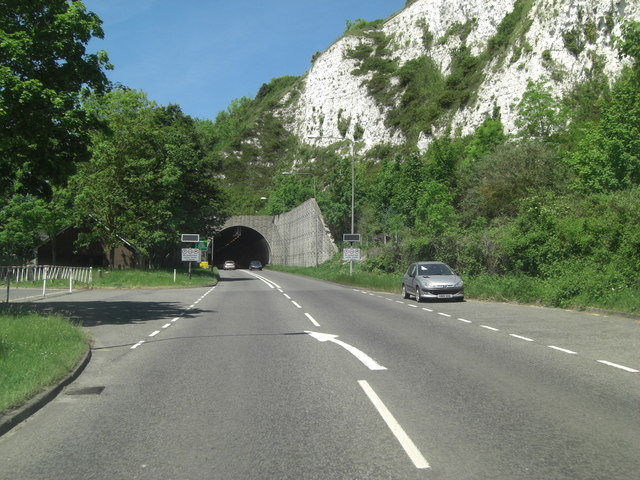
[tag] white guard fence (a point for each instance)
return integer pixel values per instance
(36, 273)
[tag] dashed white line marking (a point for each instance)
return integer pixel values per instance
(407, 444)
(398, 301)
(570, 352)
(153, 334)
(465, 321)
(296, 303)
(621, 367)
(444, 314)
(526, 339)
(287, 296)
(312, 320)
(192, 305)
(137, 345)
(166, 325)
(175, 319)
(413, 306)
(490, 328)
(427, 309)
(280, 290)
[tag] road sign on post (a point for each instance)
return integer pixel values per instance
(351, 254)
(350, 237)
(191, 255)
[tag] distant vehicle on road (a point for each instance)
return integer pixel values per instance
(255, 265)
(432, 280)
(229, 265)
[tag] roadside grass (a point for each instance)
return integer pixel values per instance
(36, 351)
(160, 278)
(551, 292)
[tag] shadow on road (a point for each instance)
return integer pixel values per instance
(91, 314)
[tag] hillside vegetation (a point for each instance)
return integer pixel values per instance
(555, 203)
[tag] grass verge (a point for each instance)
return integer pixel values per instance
(36, 351)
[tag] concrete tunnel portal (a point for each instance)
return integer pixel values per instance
(242, 245)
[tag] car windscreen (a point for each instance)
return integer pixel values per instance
(434, 269)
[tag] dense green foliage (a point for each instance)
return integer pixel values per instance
(148, 179)
(43, 69)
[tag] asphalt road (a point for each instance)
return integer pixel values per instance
(273, 376)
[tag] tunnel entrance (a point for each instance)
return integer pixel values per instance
(240, 244)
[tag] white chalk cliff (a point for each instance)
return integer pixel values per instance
(331, 91)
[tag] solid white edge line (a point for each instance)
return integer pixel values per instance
(621, 367)
(312, 320)
(296, 303)
(526, 339)
(571, 352)
(407, 444)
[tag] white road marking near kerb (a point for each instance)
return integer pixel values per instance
(414, 454)
(621, 367)
(312, 320)
(369, 362)
(570, 352)
(526, 339)
(296, 303)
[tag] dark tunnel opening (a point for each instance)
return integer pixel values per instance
(242, 245)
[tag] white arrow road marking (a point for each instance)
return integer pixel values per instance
(369, 362)
(414, 454)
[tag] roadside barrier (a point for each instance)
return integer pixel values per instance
(42, 273)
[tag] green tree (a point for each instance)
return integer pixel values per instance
(25, 219)
(608, 158)
(148, 179)
(43, 69)
(540, 114)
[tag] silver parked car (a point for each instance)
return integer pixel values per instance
(435, 280)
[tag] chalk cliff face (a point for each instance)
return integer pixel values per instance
(557, 41)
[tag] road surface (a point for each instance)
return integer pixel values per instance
(274, 376)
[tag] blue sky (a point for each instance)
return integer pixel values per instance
(201, 54)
